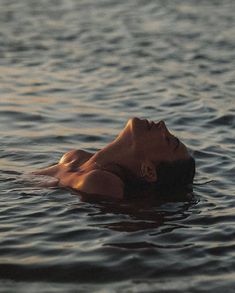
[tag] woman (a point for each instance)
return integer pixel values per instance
(144, 155)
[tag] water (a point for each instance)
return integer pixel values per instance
(71, 74)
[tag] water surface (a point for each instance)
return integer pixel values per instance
(71, 74)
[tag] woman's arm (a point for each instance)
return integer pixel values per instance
(49, 171)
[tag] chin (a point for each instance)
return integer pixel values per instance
(138, 126)
(134, 122)
(125, 136)
(131, 124)
(133, 128)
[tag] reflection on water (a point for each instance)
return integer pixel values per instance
(139, 215)
(72, 74)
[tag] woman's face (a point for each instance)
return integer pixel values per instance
(153, 141)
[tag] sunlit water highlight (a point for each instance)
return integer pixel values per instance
(71, 74)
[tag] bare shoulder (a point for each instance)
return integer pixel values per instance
(101, 182)
(75, 155)
(73, 158)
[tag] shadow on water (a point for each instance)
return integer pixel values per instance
(76, 233)
(133, 214)
(150, 212)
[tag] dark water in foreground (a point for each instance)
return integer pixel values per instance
(71, 74)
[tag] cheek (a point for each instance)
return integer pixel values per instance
(156, 150)
(152, 145)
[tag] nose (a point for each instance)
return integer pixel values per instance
(163, 127)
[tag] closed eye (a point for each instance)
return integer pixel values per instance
(177, 143)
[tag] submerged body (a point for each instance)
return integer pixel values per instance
(140, 148)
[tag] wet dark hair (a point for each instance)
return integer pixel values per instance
(176, 174)
(171, 176)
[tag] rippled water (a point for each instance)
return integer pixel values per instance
(71, 74)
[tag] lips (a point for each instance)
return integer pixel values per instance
(149, 124)
(159, 123)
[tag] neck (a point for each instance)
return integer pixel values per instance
(114, 153)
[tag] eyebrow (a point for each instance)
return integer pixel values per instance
(177, 144)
